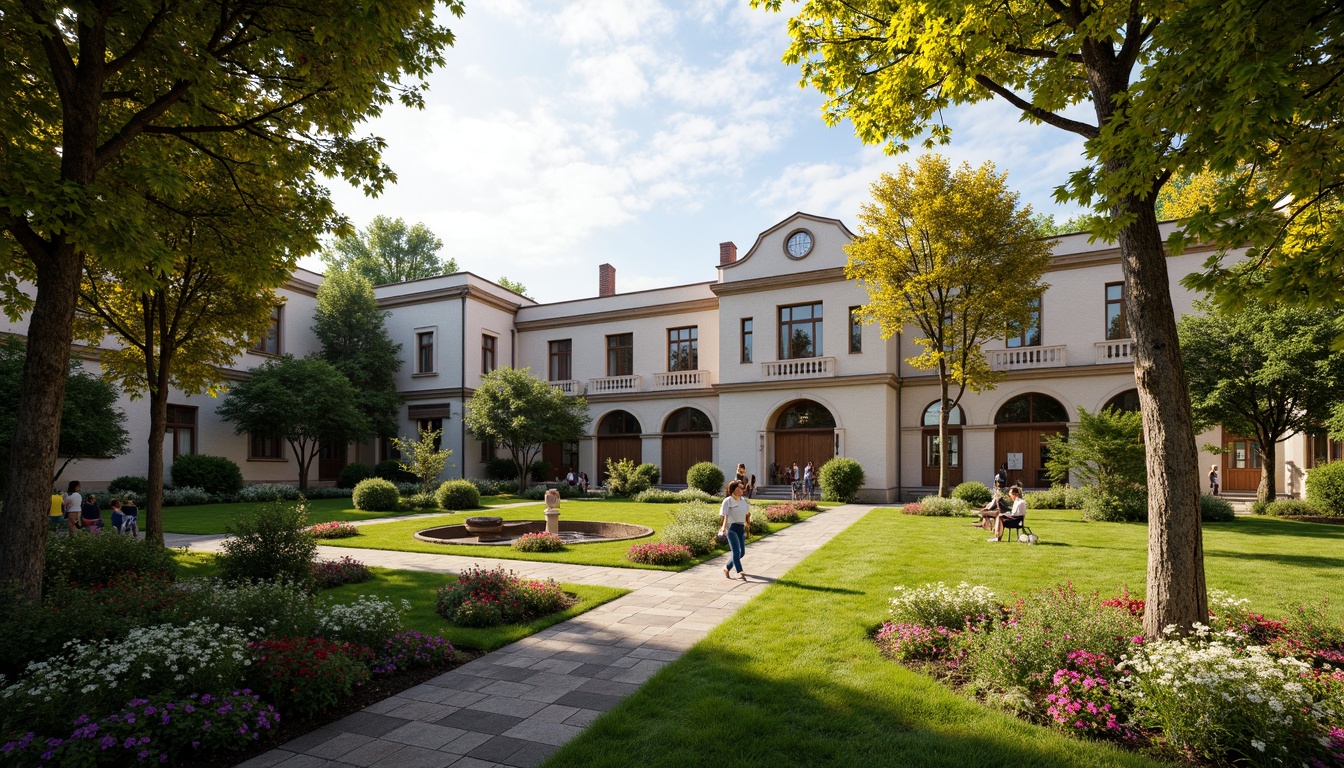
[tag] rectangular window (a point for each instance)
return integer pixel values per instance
(1116, 325)
(855, 331)
(265, 446)
(746, 339)
(621, 354)
(1030, 334)
(800, 331)
(488, 345)
(683, 349)
(424, 352)
(433, 425)
(932, 456)
(181, 430)
(487, 451)
(270, 343)
(560, 368)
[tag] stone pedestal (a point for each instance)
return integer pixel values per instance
(553, 521)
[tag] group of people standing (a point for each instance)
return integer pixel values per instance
(804, 481)
(577, 480)
(78, 513)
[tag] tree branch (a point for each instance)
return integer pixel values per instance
(1044, 115)
(139, 122)
(114, 66)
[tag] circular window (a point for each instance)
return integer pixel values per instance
(799, 244)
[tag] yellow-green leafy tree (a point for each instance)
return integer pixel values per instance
(949, 253)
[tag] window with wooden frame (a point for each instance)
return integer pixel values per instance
(424, 351)
(855, 330)
(489, 347)
(800, 331)
(1117, 325)
(747, 338)
(181, 429)
(683, 349)
(1028, 335)
(560, 367)
(270, 343)
(621, 354)
(264, 446)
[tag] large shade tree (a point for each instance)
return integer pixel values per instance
(304, 401)
(389, 251)
(949, 253)
(353, 333)
(93, 95)
(521, 413)
(1264, 372)
(894, 68)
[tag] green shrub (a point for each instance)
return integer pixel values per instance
(215, 475)
(263, 609)
(841, 479)
(539, 542)
(128, 484)
(664, 496)
(458, 494)
(1056, 497)
(694, 524)
(495, 487)
(937, 506)
(1325, 489)
(1290, 508)
(90, 560)
(269, 543)
(538, 492)
(1213, 509)
(623, 478)
(390, 470)
(938, 605)
(540, 471)
(649, 472)
(351, 474)
(306, 675)
(1130, 506)
(706, 477)
(973, 492)
(501, 469)
(1259, 507)
(418, 501)
(778, 513)
(375, 495)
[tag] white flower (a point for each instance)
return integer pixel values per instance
(1260, 745)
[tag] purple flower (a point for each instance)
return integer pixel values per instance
(107, 743)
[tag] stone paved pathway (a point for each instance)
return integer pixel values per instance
(517, 705)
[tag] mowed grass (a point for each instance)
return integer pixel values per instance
(421, 590)
(215, 518)
(793, 679)
(400, 535)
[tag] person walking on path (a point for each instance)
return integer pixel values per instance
(736, 514)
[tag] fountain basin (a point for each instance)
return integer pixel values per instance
(571, 531)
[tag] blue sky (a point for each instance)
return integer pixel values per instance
(561, 135)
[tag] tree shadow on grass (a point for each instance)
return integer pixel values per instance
(800, 585)
(1300, 561)
(1267, 526)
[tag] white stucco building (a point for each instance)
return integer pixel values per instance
(762, 365)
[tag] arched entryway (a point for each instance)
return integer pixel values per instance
(617, 438)
(1125, 402)
(686, 442)
(804, 431)
(1020, 429)
(932, 455)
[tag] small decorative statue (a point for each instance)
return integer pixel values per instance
(553, 511)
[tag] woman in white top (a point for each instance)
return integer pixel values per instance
(736, 514)
(1018, 512)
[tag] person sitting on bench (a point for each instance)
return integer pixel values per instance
(1013, 518)
(998, 505)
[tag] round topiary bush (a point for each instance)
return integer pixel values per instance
(1213, 509)
(1325, 489)
(841, 479)
(707, 477)
(390, 470)
(351, 474)
(650, 472)
(215, 475)
(458, 494)
(974, 492)
(375, 495)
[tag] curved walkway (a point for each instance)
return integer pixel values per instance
(517, 705)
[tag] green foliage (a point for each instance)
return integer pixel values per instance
(391, 470)
(1215, 509)
(650, 472)
(494, 487)
(841, 478)
(539, 542)
(513, 285)
(92, 559)
(941, 506)
(624, 479)
(375, 495)
(352, 473)
(304, 401)
(128, 483)
(419, 500)
(938, 605)
(1105, 450)
(501, 468)
(520, 412)
(540, 471)
(215, 475)
(973, 492)
(1325, 488)
(388, 251)
(663, 496)
(1122, 505)
(423, 458)
(458, 494)
(483, 597)
(269, 543)
(1259, 507)
(707, 477)
(355, 341)
(1289, 508)
(1056, 496)
(693, 524)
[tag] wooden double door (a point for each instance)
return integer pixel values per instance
(331, 459)
(1029, 442)
(681, 452)
(799, 446)
(1241, 464)
(616, 448)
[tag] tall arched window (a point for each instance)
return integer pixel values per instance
(687, 420)
(932, 456)
(1127, 401)
(619, 423)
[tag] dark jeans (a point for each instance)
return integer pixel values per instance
(737, 542)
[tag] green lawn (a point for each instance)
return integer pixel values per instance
(215, 518)
(792, 678)
(421, 589)
(400, 535)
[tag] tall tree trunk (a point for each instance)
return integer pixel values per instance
(158, 429)
(942, 442)
(1268, 489)
(32, 454)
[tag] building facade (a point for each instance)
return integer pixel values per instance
(767, 365)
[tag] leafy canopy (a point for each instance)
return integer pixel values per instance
(389, 251)
(1105, 450)
(520, 413)
(354, 338)
(423, 458)
(514, 285)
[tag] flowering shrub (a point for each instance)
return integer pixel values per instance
(368, 621)
(334, 573)
(157, 730)
(1082, 698)
(151, 661)
(261, 610)
(483, 598)
(306, 675)
(538, 542)
(913, 508)
(693, 525)
(1131, 605)
(937, 605)
(1221, 701)
(185, 497)
(805, 505)
(269, 492)
(333, 530)
(782, 513)
(659, 554)
(913, 642)
(409, 649)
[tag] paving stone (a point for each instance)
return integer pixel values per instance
(507, 705)
(471, 762)
(267, 759)
(421, 710)
(368, 724)
(307, 761)
(555, 734)
(506, 688)
(338, 745)
(427, 735)
(532, 755)
(377, 750)
(480, 721)
(496, 672)
(608, 687)
(583, 718)
(497, 748)
(599, 701)
(465, 743)
(311, 739)
(417, 757)
(555, 713)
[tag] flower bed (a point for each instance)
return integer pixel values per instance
(333, 573)
(538, 542)
(333, 530)
(487, 598)
(782, 513)
(1244, 689)
(660, 554)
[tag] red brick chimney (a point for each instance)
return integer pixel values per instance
(606, 280)
(727, 253)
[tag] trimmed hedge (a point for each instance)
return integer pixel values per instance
(376, 495)
(1325, 489)
(215, 475)
(1213, 509)
(390, 470)
(351, 474)
(1291, 508)
(458, 494)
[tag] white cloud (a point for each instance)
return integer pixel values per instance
(614, 78)
(611, 21)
